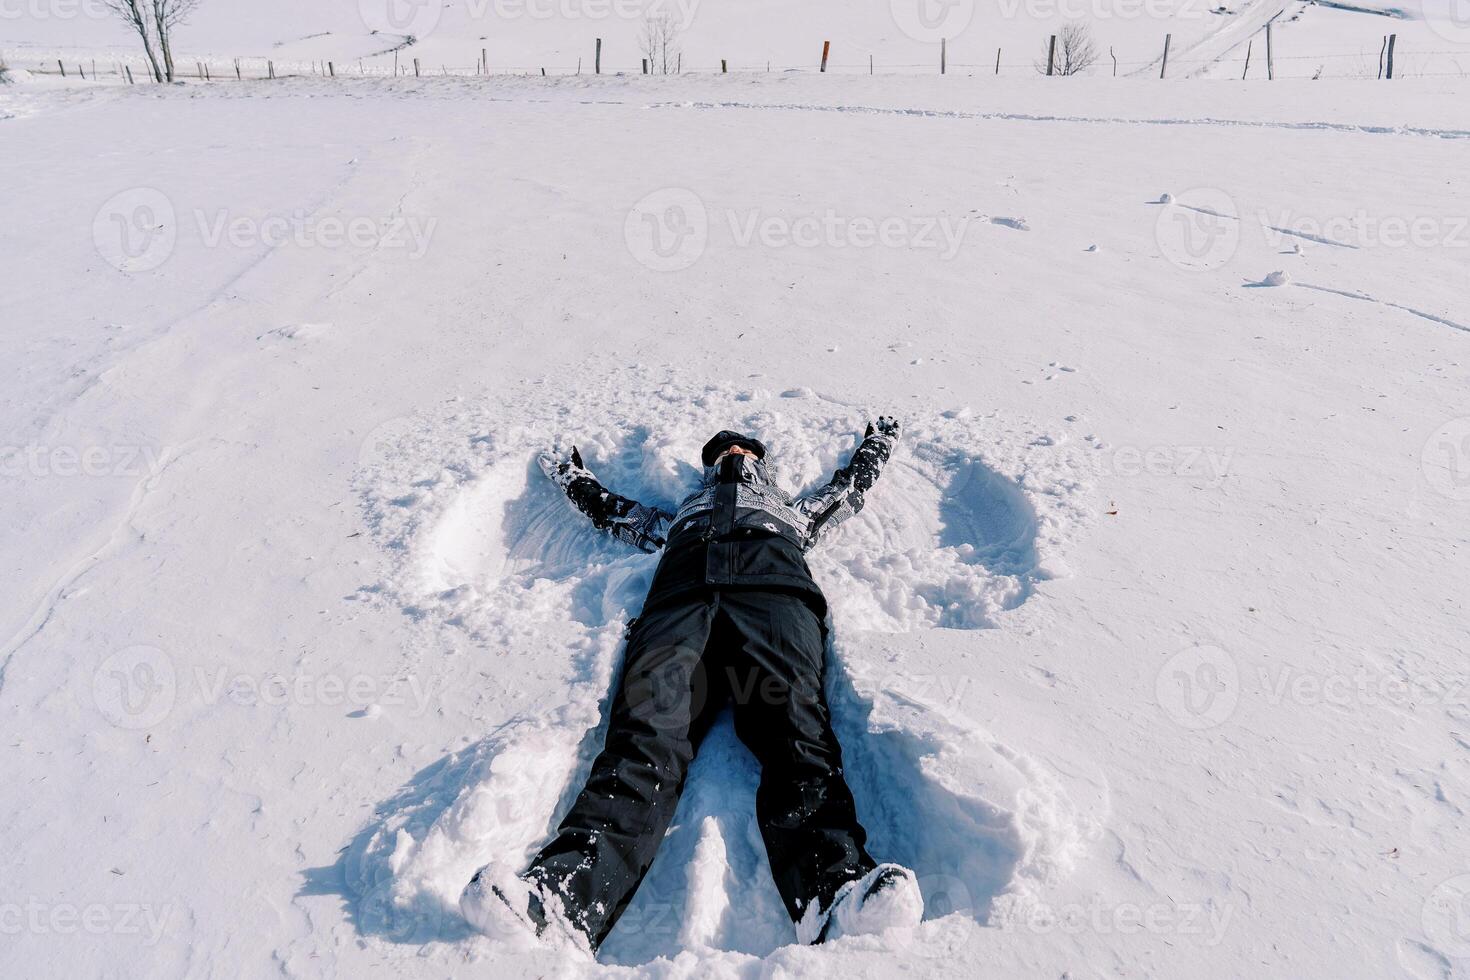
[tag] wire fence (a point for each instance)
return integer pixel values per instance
(1357, 63)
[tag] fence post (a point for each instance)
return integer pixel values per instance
(1381, 49)
(1051, 55)
(238, 77)
(1247, 59)
(723, 67)
(1270, 53)
(416, 68)
(997, 61)
(597, 65)
(332, 69)
(485, 60)
(1164, 68)
(943, 55)
(1115, 60)
(826, 48)
(645, 66)
(870, 64)
(270, 67)
(62, 67)
(1393, 39)
(129, 70)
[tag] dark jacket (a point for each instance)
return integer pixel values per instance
(739, 530)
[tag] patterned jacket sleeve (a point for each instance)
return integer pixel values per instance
(842, 497)
(644, 527)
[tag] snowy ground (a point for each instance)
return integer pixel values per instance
(1148, 654)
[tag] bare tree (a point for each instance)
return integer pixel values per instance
(168, 14)
(1076, 50)
(134, 14)
(660, 42)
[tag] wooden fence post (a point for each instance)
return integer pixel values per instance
(238, 77)
(1247, 59)
(129, 70)
(645, 66)
(416, 68)
(723, 67)
(943, 55)
(597, 65)
(1051, 55)
(1270, 53)
(870, 64)
(826, 49)
(997, 61)
(62, 67)
(1164, 68)
(270, 67)
(1393, 39)
(1381, 49)
(332, 69)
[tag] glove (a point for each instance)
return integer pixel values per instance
(559, 468)
(885, 425)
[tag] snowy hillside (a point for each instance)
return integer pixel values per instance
(1149, 649)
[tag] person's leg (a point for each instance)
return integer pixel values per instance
(660, 711)
(775, 668)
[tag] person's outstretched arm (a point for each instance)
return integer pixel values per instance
(643, 527)
(842, 497)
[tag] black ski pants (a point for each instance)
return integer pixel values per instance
(763, 651)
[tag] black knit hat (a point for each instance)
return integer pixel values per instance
(724, 440)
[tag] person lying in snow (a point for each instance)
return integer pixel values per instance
(733, 614)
